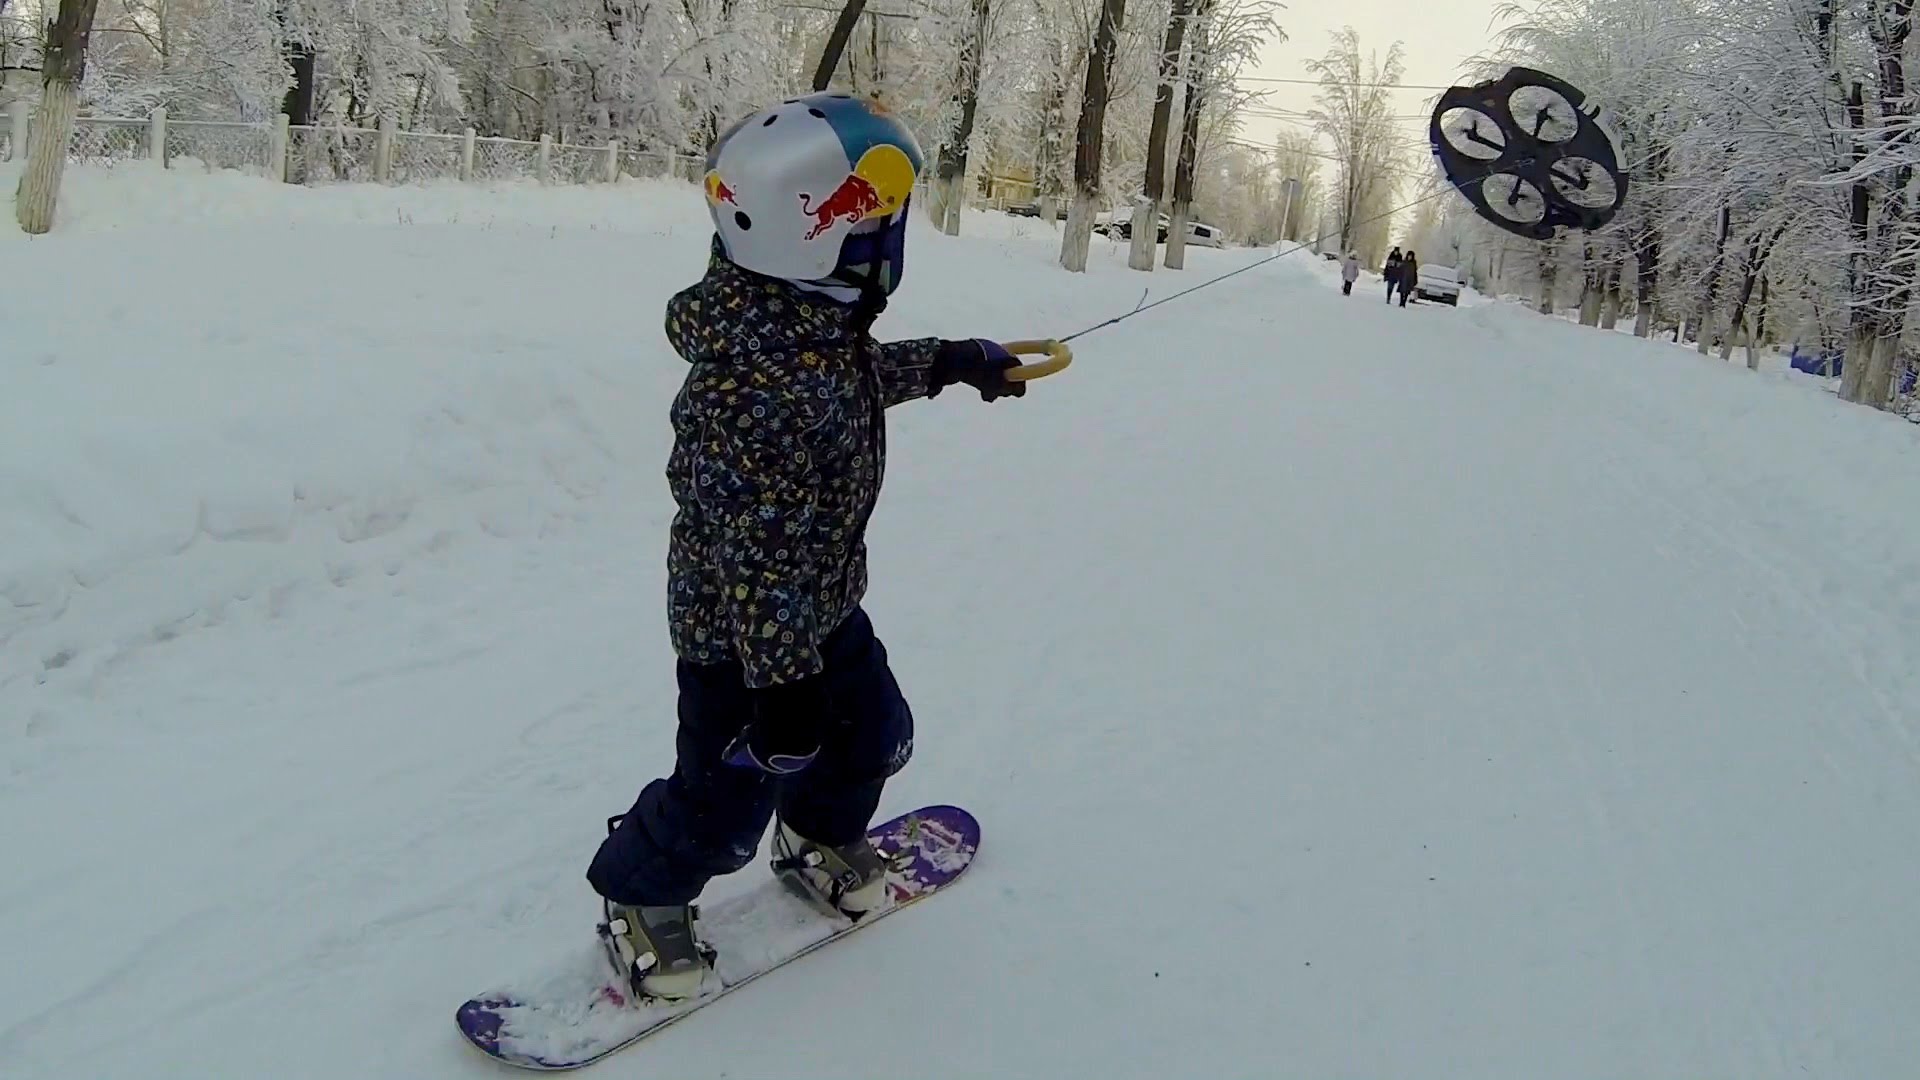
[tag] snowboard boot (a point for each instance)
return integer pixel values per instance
(656, 949)
(850, 879)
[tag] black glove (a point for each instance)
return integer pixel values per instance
(979, 363)
(784, 735)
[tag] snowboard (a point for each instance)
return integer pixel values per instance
(584, 1010)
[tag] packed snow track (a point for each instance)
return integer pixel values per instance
(1343, 690)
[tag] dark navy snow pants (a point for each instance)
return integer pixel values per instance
(707, 819)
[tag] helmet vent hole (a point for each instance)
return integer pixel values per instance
(817, 113)
(741, 219)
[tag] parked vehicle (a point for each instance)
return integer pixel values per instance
(1440, 283)
(1119, 223)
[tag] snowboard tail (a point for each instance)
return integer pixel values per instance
(586, 1010)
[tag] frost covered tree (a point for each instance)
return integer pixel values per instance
(1146, 213)
(1355, 114)
(63, 65)
(948, 187)
(1090, 138)
(1295, 157)
(998, 92)
(1226, 34)
(1771, 148)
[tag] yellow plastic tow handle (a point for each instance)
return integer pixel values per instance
(1058, 356)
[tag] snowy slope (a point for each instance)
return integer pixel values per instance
(1345, 691)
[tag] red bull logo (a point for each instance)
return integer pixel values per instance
(853, 200)
(877, 187)
(718, 191)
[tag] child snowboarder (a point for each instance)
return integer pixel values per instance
(1349, 273)
(787, 707)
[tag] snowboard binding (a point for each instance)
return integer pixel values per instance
(826, 881)
(634, 969)
(634, 939)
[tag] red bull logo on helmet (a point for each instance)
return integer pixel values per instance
(718, 191)
(877, 187)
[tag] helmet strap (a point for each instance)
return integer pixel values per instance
(872, 261)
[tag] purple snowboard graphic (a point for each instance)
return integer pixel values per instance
(582, 1010)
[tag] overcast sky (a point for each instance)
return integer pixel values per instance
(1438, 37)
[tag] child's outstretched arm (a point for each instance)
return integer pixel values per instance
(925, 366)
(905, 369)
(755, 473)
(979, 363)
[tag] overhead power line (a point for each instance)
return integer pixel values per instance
(1363, 85)
(1403, 173)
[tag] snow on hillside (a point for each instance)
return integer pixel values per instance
(1343, 690)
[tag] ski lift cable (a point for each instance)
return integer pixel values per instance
(1143, 307)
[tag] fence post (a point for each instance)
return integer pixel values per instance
(613, 161)
(18, 148)
(673, 163)
(278, 141)
(157, 136)
(383, 151)
(466, 155)
(545, 169)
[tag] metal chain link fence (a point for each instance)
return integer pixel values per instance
(320, 154)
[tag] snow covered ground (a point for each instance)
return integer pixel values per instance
(1344, 691)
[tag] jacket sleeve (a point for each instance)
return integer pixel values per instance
(905, 367)
(756, 477)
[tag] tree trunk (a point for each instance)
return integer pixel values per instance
(837, 43)
(298, 104)
(300, 57)
(1089, 139)
(1146, 217)
(1610, 298)
(712, 120)
(1891, 284)
(63, 66)
(1183, 177)
(1713, 283)
(1589, 303)
(950, 175)
(1759, 335)
(1196, 103)
(1861, 334)
(1053, 123)
(1876, 384)
(1589, 288)
(1860, 328)
(1647, 244)
(1758, 251)
(1549, 276)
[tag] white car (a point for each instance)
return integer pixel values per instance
(1440, 283)
(1119, 222)
(1204, 235)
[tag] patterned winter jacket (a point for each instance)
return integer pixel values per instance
(779, 448)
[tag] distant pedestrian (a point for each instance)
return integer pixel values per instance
(1409, 275)
(1349, 273)
(1392, 272)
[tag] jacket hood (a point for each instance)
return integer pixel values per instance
(733, 311)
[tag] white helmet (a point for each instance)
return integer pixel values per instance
(815, 190)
